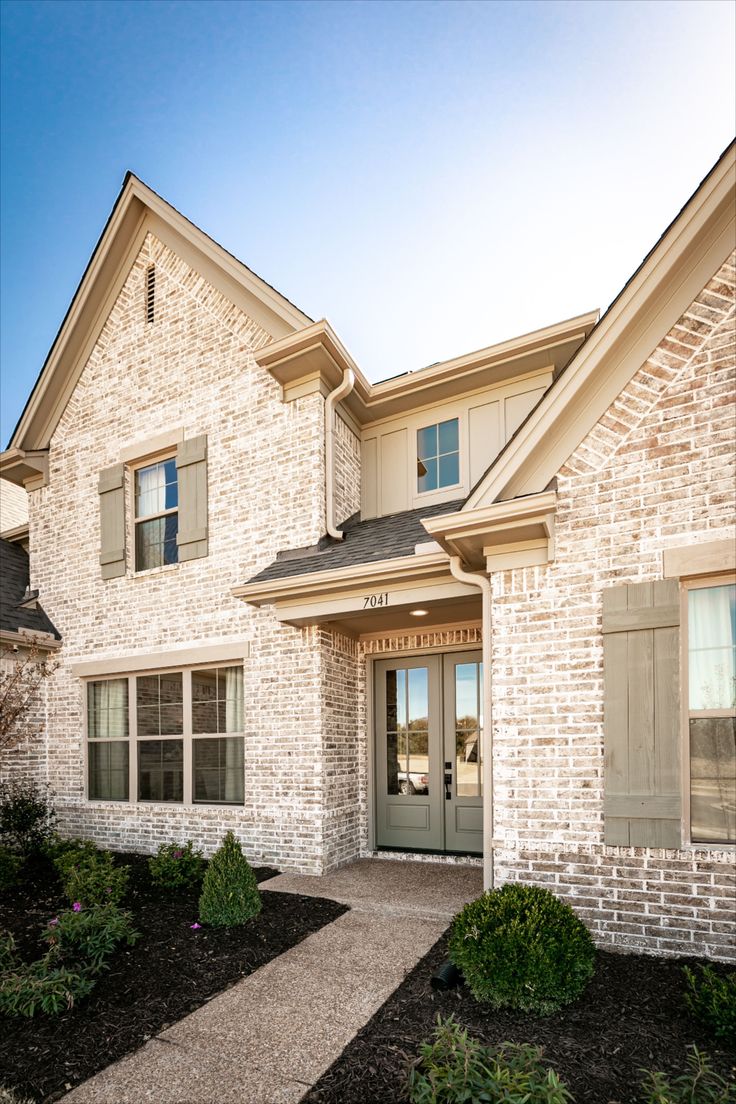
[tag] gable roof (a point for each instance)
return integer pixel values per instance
(14, 578)
(138, 210)
(672, 274)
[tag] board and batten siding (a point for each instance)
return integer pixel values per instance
(641, 671)
(486, 421)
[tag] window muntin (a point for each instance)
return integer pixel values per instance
(183, 737)
(711, 711)
(438, 455)
(156, 495)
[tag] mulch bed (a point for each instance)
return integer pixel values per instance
(168, 973)
(631, 1017)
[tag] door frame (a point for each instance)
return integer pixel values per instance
(370, 715)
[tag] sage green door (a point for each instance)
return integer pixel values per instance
(428, 754)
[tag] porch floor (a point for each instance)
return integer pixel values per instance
(271, 1036)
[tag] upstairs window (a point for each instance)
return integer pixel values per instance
(156, 514)
(438, 456)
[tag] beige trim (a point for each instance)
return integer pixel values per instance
(16, 535)
(187, 655)
(686, 586)
(679, 267)
(503, 529)
(25, 468)
(317, 350)
(704, 558)
(397, 597)
(142, 450)
(27, 638)
(138, 210)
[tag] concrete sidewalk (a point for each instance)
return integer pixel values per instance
(270, 1037)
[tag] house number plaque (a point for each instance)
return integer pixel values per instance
(371, 601)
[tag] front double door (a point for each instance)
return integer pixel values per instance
(428, 712)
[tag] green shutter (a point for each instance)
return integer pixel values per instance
(641, 674)
(111, 488)
(191, 466)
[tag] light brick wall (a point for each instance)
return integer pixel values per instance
(347, 470)
(656, 472)
(193, 367)
(13, 506)
(26, 760)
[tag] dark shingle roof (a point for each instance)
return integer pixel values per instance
(382, 538)
(14, 578)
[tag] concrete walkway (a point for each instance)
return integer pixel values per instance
(271, 1036)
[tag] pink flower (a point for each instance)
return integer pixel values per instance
(77, 906)
(108, 890)
(54, 922)
(177, 854)
(195, 926)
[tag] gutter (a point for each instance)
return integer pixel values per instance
(341, 391)
(483, 582)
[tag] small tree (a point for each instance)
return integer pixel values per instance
(20, 682)
(230, 891)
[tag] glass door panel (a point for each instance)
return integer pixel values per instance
(463, 691)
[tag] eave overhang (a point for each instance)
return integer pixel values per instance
(670, 277)
(28, 638)
(27, 468)
(315, 359)
(519, 533)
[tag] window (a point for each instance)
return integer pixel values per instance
(156, 514)
(438, 456)
(711, 710)
(170, 737)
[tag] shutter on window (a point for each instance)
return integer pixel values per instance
(191, 466)
(642, 714)
(111, 488)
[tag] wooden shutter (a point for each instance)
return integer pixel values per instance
(111, 488)
(642, 714)
(191, 467)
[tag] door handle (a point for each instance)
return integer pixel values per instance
(448, 785)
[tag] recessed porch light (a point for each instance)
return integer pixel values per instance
(419, 613)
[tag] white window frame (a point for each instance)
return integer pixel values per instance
(134, 467)
(187, 737)
(699, 582)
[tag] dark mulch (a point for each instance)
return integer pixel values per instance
(167, 974)
(630, 1017)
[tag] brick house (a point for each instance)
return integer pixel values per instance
(279, 587)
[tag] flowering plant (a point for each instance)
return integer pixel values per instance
(177, 866)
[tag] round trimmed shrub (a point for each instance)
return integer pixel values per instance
(230, 891)
(521, 947)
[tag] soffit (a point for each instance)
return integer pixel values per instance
(317, 351)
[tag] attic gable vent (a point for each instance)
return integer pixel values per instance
(150, 292)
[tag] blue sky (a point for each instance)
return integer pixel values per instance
(431, 177)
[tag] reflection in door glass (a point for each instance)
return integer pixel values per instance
(407, 731)
(468, 727)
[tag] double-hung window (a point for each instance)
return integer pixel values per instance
(438, 455)
(173, 737)
(711, 710)
(156, 514)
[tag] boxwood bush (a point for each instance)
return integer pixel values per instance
(230, 891)
(521, 947)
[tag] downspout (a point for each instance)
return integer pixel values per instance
(344, 388)
(483, 581)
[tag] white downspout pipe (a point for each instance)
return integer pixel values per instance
(483, 581)
(344, 388)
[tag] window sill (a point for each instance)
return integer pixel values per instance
(148, 572)
(104, 802)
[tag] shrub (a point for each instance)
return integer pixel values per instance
(88, 937)
(8, 1096)
(41, 986)
(10, 865)
(176, 866)
(521, 947)
(26, 816)
(230, 891)
(95, 880)
(700, 1084)
(8, 953)
(455, 1069)
(711, 998)
(66, 853)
